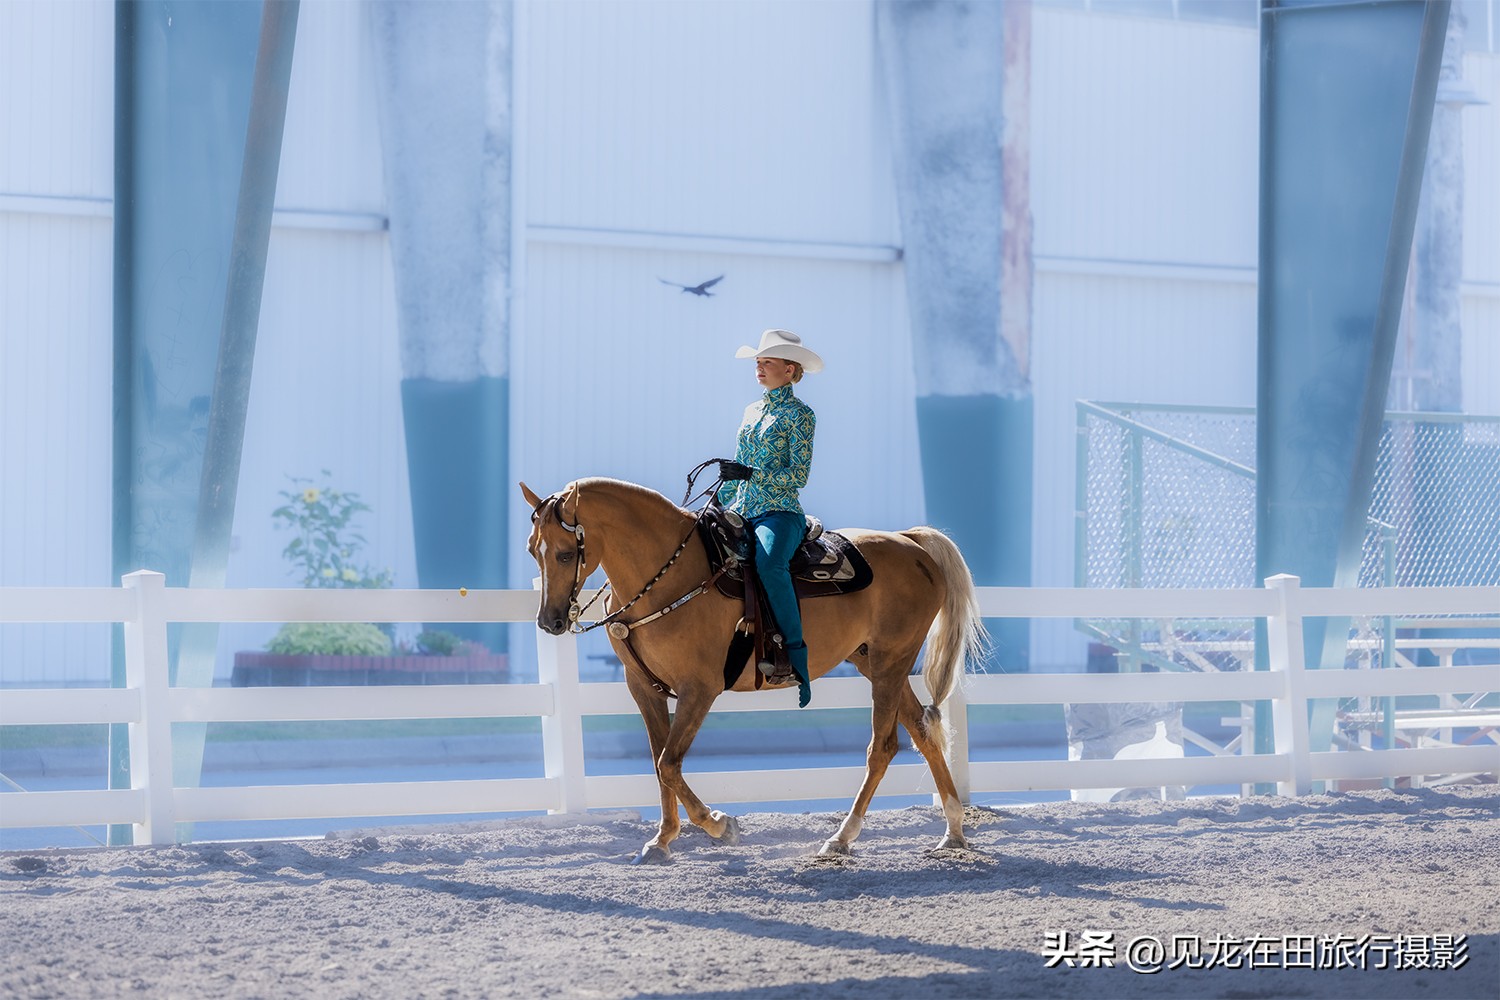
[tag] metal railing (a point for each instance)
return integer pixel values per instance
(149, 704)
(1166, 498)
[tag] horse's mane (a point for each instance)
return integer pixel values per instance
(645, 493)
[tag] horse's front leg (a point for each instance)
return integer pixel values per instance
(692, 707)
(653, 708)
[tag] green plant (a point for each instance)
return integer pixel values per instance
(330, 638)
(325, 547)
(436, 642)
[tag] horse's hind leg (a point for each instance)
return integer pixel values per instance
(883, 747)
(913, 718)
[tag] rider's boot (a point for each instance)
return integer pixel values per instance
(798, 656)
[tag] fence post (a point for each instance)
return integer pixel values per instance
(1289, 712)
(151, 737)
(562, 731)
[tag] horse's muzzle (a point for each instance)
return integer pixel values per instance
(552, 624)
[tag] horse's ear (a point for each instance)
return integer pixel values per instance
(531, 497)
(569, 506)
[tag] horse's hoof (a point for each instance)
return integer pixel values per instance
(731, 835)
(653, 856)
(950, 840)
(835, 848)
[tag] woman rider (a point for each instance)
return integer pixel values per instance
(775, 450)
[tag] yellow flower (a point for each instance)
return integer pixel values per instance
(330, 573)
(350, 576)
(310, 496)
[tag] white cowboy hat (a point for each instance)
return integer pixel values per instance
(787, 346)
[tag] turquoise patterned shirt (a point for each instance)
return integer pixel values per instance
(776, 439)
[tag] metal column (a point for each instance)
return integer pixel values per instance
(200, 100)
(955, 77)
(1346, 103)
(444, 72)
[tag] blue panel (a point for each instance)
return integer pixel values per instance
(444, 72)
(1346, 103)
(182, 101)
(976, 472)
(1344, 130)
(945, 71)
(456, 445)
(200, 105)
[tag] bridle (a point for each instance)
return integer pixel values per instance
(617, 628)
(554, 504)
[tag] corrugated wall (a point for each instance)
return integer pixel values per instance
(57, 64)
(326, 390)
(685, 141)
(743, 119)
(56, 176)
(1144, 139)
(662, 140)
(1481, 291)
(1144, 198)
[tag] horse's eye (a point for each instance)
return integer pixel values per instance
(565, 557)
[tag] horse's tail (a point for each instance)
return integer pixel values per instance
(957, 636)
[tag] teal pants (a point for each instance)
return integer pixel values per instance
(777, 536)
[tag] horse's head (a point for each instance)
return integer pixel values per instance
(557, 545)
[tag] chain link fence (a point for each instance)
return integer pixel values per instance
(1166, 498)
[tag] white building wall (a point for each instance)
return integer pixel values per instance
(55, 396)
(665, 140)
(330, 155)
(326, 389)
(1481, 127)
(1481, 353)
(638, 381)
(326, 384)
(1481, 290)
(56, 179)
(326, 395)
(1144, 139)
(744, 119)
(57, 64)
(659, 140)
(1144, 193)
(1130, 339)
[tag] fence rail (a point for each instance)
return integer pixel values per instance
(149, 705)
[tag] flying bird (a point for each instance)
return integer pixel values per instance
(702, 289)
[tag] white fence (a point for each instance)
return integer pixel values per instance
(150, 705)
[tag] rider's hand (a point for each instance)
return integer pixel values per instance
(730, 471)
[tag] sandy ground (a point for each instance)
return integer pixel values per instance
(1278, 897)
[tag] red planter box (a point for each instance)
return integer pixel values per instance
(284, 670)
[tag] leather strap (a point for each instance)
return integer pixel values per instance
(640, 664)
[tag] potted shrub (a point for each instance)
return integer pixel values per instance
(314, 653)
(325, 550)
(440, 657)
(307, 653)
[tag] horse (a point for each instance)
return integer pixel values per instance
(672, 636)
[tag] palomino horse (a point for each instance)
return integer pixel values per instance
(648, 548)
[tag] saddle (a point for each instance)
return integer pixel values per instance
(825, 564)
